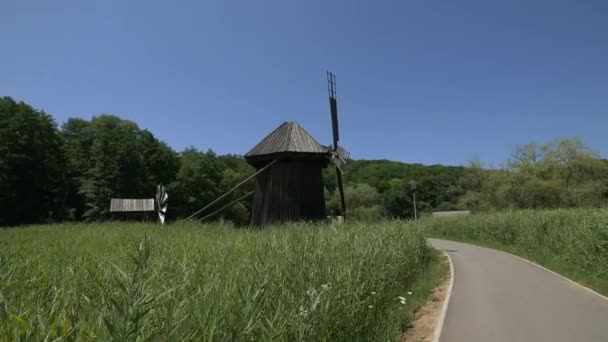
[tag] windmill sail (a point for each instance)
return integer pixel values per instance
(333, 107)
(162, 199)
(338, 154)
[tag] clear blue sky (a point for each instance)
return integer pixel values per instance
(418, 81)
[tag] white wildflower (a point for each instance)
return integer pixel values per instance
(374, 293)
(409, 293)
(370, 306)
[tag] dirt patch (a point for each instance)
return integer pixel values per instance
(426, 316)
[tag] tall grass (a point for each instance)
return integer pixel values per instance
(573, 242)
(140, 282)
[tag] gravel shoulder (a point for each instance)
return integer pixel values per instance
(428, 315)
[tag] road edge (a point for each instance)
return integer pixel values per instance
(446, 301)
(577, 284)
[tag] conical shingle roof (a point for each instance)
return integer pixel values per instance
(289, 137)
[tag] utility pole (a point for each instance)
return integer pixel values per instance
(413, 190)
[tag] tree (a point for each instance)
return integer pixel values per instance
(111, 157)
(235, 170)
(77, 140)
(160, 163)
(31, 165)
(72, 173)
(359, 199)
(563, 173)
(438, 184)
(197, 182)
(397, 200)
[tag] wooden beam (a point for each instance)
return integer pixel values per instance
(228, 205)
(233, 189)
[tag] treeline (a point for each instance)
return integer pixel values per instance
(562, 174)
(380, 188)
(69, 173)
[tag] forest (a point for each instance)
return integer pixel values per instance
(55, 173)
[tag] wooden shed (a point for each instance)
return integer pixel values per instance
(134, 209)
(291, 189)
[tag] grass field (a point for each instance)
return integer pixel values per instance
(118, 281)
(572, 242)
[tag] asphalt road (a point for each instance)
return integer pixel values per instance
(500, 298)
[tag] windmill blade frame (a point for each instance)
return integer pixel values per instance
(337, 153)
(333, 107)
(162, 201)
(338, 158)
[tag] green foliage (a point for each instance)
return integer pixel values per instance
(109, 156)
(235, 170)
(197, 181)
(398, 200)
(435, 182)
(71, 174)
(438, 187)
(357, 195)
(31, 165)
(367, 214)
(211, 282)
(561, 174)
(361, 200)
(573, 242)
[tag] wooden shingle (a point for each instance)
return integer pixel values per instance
(290, 137)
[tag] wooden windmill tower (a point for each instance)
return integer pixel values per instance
(292, 188)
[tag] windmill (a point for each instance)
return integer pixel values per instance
(291, 185)
(338, 155)
(289, 178)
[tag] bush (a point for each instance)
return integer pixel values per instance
(367, 214)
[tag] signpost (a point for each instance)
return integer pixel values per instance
(413, 190)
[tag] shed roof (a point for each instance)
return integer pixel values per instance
(133, 205)
(288, 137)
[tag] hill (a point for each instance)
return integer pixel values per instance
(50, 173)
